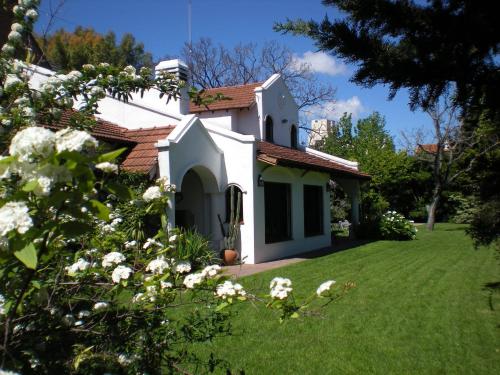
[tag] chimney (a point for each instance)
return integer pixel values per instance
(180, 70)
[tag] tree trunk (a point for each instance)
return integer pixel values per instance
(431, 218)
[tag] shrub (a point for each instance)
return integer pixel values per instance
(485, 225)
(394, 226)
(195, 248)
(465, 208)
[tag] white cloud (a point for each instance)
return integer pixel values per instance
(335, 109)
(320, 62)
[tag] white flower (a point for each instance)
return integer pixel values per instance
(84, 314)
(138, 298)
(150, 242)
(158, 266)
(8, 49)
(32, 14)
(80, 265)
(7, 372)
(193, 279)
(228, 289)
(130, 244)
(14, 216)
(107, 167)
(2, 303)
(210, 271)
(280, 287)
(17, 27)
(68, 319)
(153, 192)
(74, 140)
(173, 238)
(183, 267)
(32, 141)
(124, 360)
(14, 36)
(44, 184)
(121, 273)
(112, 258)
(165, 285)
(325, 287)
(101, 306)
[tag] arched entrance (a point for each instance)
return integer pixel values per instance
(194, 202)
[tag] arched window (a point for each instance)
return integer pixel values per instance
(293, 137)
(269, 129)
(237, 191)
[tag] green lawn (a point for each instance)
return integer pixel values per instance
(420, 307)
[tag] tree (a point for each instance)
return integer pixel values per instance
(453, 152)
(68, 51)
(422, 47)
(396, 179)
(214, 66)
(76, 295)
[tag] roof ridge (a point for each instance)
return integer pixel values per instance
(235, 86)
(162, 127)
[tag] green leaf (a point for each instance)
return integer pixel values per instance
(30, 186)
(99, 209)
(221, 306)
(28, 256)
(295, 315)
(120, 190)
(110, 156)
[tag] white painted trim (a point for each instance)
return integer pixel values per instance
(181, 129)
(229, 134)
(270, 81)
(336, 159)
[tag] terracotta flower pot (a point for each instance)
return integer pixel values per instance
(229, 257)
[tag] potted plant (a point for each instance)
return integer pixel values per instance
(229, 253)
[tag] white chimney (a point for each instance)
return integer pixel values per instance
(180, 70)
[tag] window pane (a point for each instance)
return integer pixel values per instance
(277, 212)
(313, 210)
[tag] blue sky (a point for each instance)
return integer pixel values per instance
(162, 25)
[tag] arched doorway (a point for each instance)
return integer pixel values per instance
(194, 202)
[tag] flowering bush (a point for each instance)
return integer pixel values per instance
(394, 226)
(77, 294)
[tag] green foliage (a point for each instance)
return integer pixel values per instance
(195, 248)
(68, 51)
(464, 208)
(485, 225)
(233, 227)
(390, 43)
(394, 226)
(397, 178)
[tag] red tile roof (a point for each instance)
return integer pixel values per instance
(430, 148)
(240, 97)
(144, 155)
(105, 130)
(273, 154)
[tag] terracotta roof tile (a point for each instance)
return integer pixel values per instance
(430, 148)
(240, 97)
(103, 130)
(144, 155)
(271, 153)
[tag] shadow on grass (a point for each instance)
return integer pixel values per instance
(338, 245)
(493, 287)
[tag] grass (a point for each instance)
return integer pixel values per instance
(420, 307)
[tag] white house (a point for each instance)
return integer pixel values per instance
(250, 142)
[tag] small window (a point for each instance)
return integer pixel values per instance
(237, 191)
(278, 212)
(313, 210)
(269, 129)
(293, 137)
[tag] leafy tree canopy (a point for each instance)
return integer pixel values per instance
(420, 46)
(68, 51)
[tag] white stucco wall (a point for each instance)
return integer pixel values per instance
(274, 99)
(225, 119)
(299, 242)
